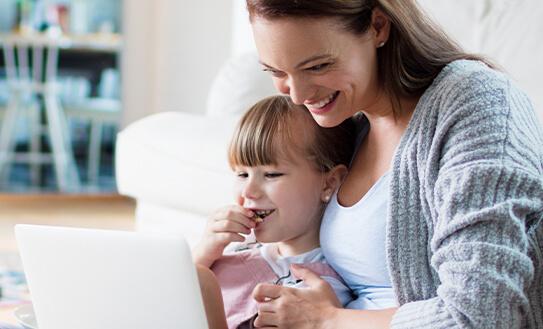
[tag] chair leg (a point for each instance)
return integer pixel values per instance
(94, 152)
(7, 134)
(66, 171)
(35, 142)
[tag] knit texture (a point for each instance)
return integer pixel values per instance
(464, 239)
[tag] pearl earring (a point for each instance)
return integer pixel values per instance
(381, 44)
(327, 198)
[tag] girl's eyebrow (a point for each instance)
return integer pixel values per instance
(302, 63)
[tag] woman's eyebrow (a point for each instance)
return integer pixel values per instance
(266, 65)
(312, 59)
(301, 64)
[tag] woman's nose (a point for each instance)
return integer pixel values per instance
(296, 88)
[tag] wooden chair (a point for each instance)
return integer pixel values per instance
(37, 81)
(105, 109)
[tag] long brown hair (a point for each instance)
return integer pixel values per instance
(267, 131)
(415, 53)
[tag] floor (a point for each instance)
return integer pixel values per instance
(103, 211)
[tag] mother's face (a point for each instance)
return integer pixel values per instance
(331, 71)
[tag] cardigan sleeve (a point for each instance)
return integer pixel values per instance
(480, 252)
(483, 184)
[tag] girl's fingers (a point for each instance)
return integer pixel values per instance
(235, 214)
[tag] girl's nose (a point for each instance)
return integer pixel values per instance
(251, 189)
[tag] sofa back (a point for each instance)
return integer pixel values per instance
(508, 31)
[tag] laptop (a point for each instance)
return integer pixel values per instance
(103, 279)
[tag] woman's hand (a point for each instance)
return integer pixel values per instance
(313, 308)
(223, 226)
(285, 307)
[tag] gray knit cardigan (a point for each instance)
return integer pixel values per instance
(464, 232)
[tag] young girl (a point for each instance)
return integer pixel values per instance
(288, 168)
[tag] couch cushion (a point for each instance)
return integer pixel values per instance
(508, 31)
(513, 37)
(178, 160)
(240, 83)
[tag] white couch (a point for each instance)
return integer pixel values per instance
(174, 164)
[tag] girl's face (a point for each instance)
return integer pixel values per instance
(292, 193)
(331, 71)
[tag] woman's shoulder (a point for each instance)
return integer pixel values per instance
(462, 75)
(474, 87)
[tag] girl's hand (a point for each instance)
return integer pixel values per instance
(223, 226)
(285, 307)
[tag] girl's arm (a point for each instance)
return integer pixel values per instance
(212, 297)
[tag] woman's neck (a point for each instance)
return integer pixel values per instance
(382, 116)
(374, 155)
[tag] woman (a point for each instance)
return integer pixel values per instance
(449, 168)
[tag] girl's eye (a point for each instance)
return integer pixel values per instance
(273, 175)
(242, 175)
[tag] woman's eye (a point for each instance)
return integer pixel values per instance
(318, 67)
(273, 73)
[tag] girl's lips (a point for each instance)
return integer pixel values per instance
(260, 215)
(263, 217)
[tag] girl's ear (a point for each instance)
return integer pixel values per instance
(381, 27)
(332, 180)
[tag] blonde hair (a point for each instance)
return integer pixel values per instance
(266, 132)
(413, 56)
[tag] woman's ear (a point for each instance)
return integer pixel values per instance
(381, 27)
(332, 180)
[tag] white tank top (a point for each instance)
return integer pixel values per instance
(353, 243)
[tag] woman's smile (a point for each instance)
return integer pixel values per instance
(323, 105)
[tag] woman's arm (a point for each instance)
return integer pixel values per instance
(313, 308)
(478, 194)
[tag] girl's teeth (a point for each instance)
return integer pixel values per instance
(263, 213)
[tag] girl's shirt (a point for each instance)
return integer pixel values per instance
(252, 263)
(281, 267)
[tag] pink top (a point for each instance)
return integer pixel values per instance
(238, 275)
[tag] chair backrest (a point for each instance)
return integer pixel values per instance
(19, 51)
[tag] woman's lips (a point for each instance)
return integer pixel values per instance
(324, 105)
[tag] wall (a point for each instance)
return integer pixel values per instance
(242, 34)
(172, 51)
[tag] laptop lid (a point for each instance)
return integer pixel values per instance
(89, 279)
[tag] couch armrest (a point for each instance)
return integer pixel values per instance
(178, 160)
